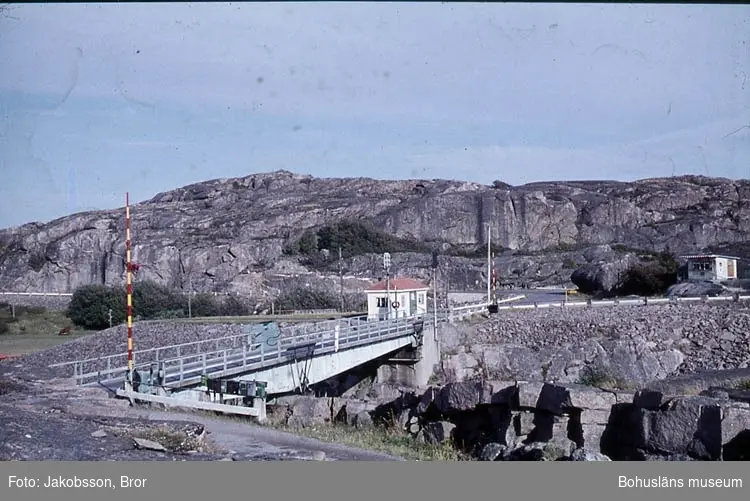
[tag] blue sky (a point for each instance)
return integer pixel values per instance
(99, 99)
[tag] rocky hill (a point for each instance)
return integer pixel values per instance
(234, 234)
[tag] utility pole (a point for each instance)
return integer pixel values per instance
(341, 280)
(387, 267)
(489, 262)
(190, 295)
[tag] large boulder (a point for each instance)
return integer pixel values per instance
(602, 276)
(695, 289)
(687, 425)
(461, 396)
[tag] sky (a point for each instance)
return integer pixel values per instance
(100, 99)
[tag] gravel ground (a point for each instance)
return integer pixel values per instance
(49, 421)
(711, 335)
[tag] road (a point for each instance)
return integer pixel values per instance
(543, 296)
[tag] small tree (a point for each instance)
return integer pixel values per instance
(307, 298)
(151, 300)
(232, 306)
(90, 306)
(651, 278)
(204, 305)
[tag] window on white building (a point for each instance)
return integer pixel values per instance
(420, 298)
(382, 302)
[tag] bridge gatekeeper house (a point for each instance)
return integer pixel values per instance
(405, 297)
(711, 267)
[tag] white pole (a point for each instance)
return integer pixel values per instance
(388, 294)
(190, 296)
(489, 264)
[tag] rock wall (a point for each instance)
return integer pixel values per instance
(624, 345)
(222, 235)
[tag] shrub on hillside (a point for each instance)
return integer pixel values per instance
(306, 298)
(650, 278)
(151, 300)
(233, 306)
(354, 238)
(204, 305)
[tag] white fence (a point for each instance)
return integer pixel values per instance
(617, 302)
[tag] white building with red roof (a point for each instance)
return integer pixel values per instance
(711, 267)
(405, 297)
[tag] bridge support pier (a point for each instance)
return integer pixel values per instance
(414, 365)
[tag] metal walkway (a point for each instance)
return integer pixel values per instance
(261, 348)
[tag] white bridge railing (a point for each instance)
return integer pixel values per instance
(185, 363)
(237, 354)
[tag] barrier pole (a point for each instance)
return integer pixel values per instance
(129, 287)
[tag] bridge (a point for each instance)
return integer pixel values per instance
(227, 374)
(235, 374)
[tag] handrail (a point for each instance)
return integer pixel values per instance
(348, 337)
(231, 339)
(179, 346)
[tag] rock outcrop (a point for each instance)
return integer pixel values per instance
(229, 234)
(609, 344)
(537, 421)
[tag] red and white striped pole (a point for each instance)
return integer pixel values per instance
(129, 287)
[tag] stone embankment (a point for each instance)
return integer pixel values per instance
(512, 421)
(627, 345)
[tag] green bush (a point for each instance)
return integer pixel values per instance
(354, 238)
(4, 326)
(204, 305)
(150, 300)
(650, 278)
(232, 306)
(307, 298)
(89, 307)
(569, 264)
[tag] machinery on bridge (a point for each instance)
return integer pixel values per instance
(249, 390)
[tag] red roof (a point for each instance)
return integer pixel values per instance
(402, 284)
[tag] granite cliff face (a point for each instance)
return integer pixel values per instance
(228, 234)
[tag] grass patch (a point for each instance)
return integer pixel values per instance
(34, 329)
(386, 440)
(600, 377)
(380, 439)
(744, 385)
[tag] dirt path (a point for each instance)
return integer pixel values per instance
(56, 421)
